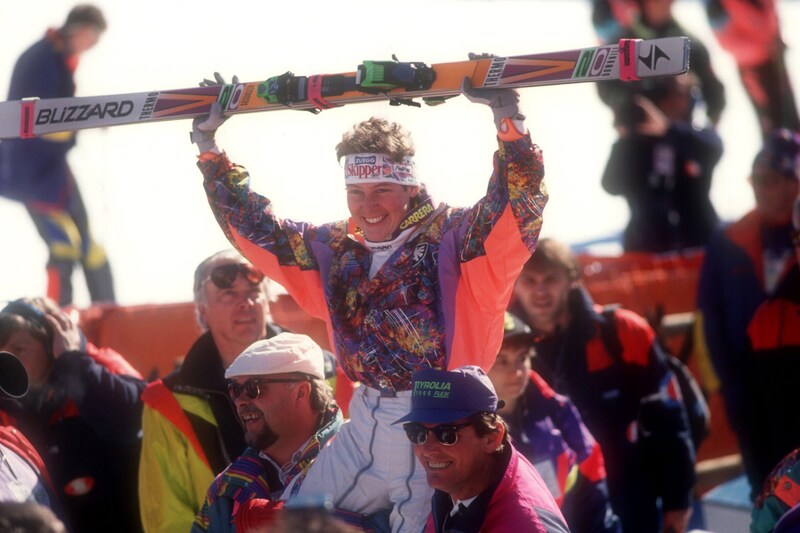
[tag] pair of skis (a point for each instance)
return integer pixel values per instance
(395, 81)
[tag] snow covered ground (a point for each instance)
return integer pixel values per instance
(143, 190)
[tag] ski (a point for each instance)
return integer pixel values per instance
(398, 82)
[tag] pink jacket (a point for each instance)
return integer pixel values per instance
(520, 501)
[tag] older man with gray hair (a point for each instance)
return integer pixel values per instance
(190, 428)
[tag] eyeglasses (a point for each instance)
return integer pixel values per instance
(446, 434)
(223, 276)
(252, 387)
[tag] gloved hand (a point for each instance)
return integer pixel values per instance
(204, 127)
(503, 102)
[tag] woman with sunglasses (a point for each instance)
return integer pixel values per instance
(403, 284)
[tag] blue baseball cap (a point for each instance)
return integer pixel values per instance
(440, 396)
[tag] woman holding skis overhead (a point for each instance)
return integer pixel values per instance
(403, 284)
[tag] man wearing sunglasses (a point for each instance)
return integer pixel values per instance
(288, 413)
(190, 428)
(481, 482)
(403, 284)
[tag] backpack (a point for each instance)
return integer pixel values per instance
(697, 410)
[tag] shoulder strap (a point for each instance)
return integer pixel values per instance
(608, 332)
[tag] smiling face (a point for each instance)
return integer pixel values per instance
(378, 208)
(464, 469)
(236, 316)
(544, 295)
(270, 416)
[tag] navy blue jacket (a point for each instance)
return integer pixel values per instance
(666, 181)
(731, 286)
(631, 406)
(773, 364)
(86, 426)
(36, 170)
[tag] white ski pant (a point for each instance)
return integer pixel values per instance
(370, 464)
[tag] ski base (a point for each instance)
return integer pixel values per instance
(398, 82)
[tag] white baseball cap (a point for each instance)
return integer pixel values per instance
(283, 353)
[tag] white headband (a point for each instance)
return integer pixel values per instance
(378, 168)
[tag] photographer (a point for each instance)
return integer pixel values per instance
(82, 413)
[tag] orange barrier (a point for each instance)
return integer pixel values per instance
(154, 338)
(644, 282)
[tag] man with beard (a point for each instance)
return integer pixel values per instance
(288, 413)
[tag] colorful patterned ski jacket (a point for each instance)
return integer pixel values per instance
(546, 428)
(251, 476)
(517, 501)
(779, 495)
(438, 301)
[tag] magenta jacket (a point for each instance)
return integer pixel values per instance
(518, 501)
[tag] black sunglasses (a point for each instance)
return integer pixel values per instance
(446, 434)
(252, 387)
(225, 275)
